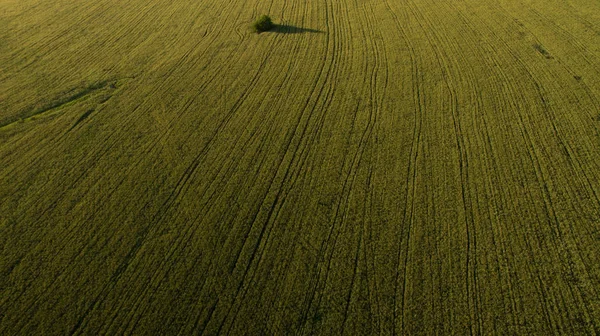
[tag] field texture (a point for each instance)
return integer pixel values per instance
(367, 167)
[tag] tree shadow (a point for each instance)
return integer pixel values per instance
(289, 29)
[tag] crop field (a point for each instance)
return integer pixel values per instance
(408, 167)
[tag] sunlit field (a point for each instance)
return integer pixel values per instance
(408, 167)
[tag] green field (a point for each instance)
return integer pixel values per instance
(409, 167)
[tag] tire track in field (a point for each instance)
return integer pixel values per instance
(374, 69)
(344, 207)
(79, 178)
(572, 159)
(492, 173)
(575, 164)
(379, 76)
(230, 167)
(548, 203)
(180, 62)
(543, 100)
(515, 90)
(323, 92)
(72, 233)
(81, 12)
(323, 97)
(471, 262)
(302, 169)
(313, 302)
(581, 17)
(588, 55)
(297, 175)
(310, 107)
(59, 275)
(584, 52)
(483, 143)
(560, 236)
(435, 41)
(281, 198)
(60, 45)
(411, 176)
(55, 142)
(127, 27)
(292, 139)
(33, 249)
(158, 89)
(181, 186)
(224, 122)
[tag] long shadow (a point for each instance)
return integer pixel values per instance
(289, 29)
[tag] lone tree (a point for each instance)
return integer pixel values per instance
(264, 23)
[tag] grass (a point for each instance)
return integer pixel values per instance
(263, 24)
(416, 167)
